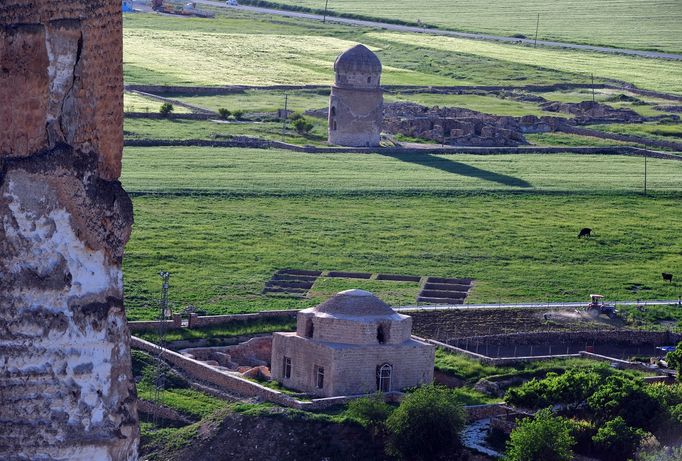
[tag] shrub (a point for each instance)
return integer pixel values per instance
(295, 116)
(426, 425)
(166, 108)
(544, 437)
(571, 388)
(302, 126)
(224, 113)
(371, 411)
(238, 114)
(617, 440)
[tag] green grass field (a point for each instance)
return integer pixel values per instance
(626, 24)
(178, 129)
(654, 74)
(257, 50)
(223, 220)
(133, 102)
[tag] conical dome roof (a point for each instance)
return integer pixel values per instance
(358, 59)
(355, 303)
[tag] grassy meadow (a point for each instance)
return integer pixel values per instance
(243, 49)
(638, 24)
(223, 220)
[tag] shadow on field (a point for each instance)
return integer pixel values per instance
(450, 166)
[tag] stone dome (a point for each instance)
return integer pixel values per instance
(355, 303)
(357, 59)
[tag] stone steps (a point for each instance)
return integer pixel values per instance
(443, 290)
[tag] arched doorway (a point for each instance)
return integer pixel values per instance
(384, 373)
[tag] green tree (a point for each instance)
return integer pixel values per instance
(544, 437)
(224, 113)
(426, 425)
(238, 114)
(617, 440)
(626, 397)
(166, 108)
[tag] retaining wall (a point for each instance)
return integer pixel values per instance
(213, 320)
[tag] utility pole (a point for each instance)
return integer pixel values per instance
(593, 89)
(645, 174)
(324, 18)
(284, 120)
(537, 27)
(158, 375)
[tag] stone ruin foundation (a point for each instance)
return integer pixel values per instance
(66, 387)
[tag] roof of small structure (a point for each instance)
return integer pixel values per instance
(358, 58)
(355, 303)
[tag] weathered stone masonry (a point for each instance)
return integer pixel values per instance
(66, 388)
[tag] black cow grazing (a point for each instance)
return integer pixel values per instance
(667, 277)
(585, 232)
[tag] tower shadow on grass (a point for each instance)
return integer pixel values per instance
(450, 166)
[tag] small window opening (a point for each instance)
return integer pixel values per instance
(369, 80)
(333, 111)
(286, 366)
(309, 329)
(319, 377)
(334, 126)
(381, 337)
(384, 377)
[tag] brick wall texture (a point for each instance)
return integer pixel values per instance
(66, 387)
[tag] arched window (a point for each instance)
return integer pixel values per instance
(384, 377)
(309, 329)
(381, 336)
(333, 111)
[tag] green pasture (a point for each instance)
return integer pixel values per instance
(572, 140)
(223, 220)
(653, 74)
(179, 129)
(259, 50)
(659, 131)
(636, 24)
(133, 102)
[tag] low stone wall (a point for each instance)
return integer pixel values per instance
(630, 337)
(213, 320)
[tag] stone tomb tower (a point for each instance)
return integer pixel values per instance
(356, 101)
(351, 344)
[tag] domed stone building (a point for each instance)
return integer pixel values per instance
(356, 103)
(351, 344)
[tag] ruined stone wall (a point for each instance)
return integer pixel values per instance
(66, 388)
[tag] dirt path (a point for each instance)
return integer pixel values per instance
(414, 29)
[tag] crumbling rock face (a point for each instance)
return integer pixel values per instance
(593, 112)
(66, 388)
